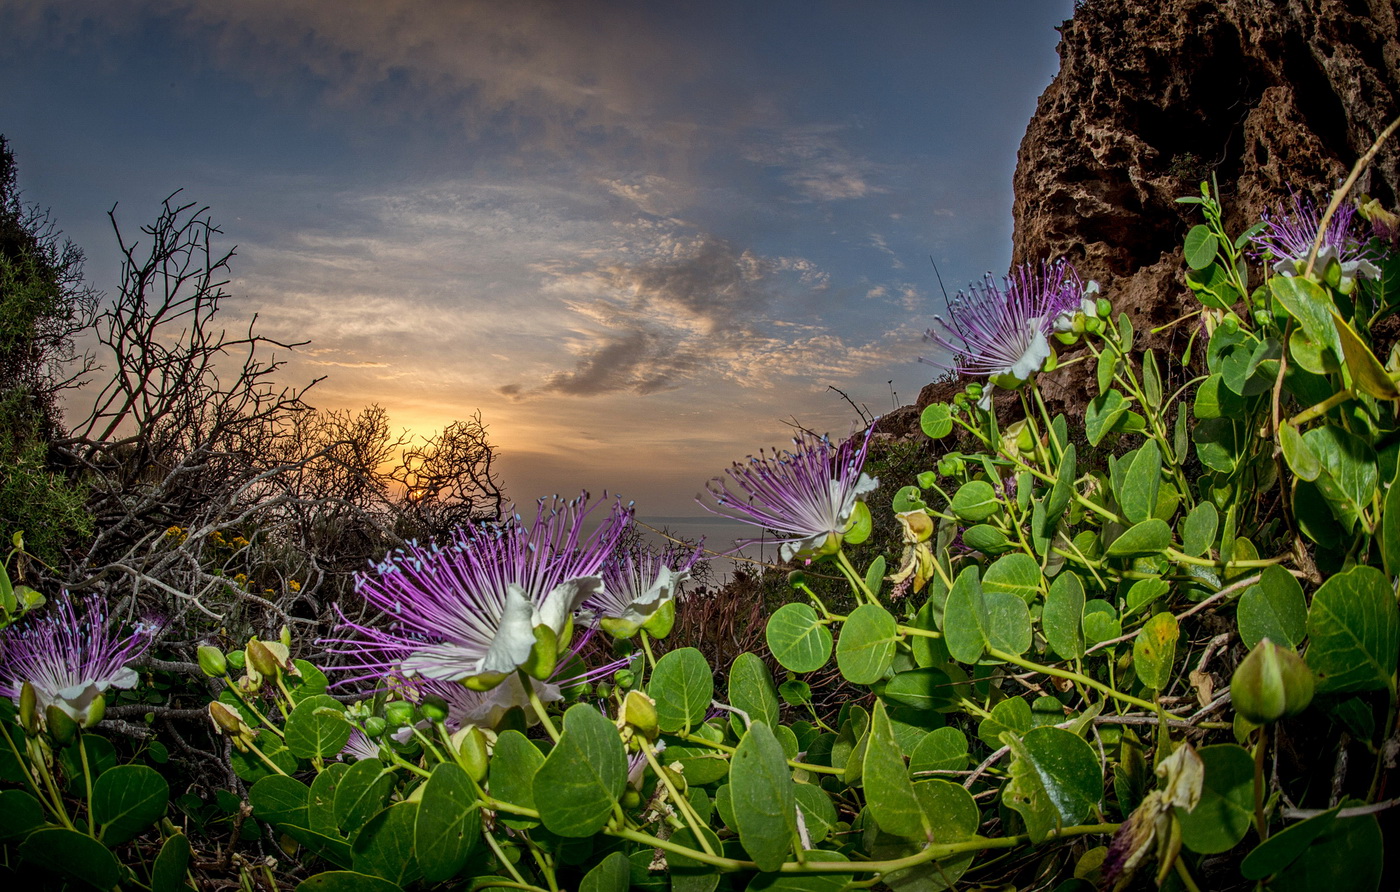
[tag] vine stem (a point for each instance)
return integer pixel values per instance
(1072, 676)
(538, 706)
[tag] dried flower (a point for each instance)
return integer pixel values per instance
(70, 656)
(1002, 332)
(807, 496)
(1288, 238)
(499, 598)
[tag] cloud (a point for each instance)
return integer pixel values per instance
(814, 162)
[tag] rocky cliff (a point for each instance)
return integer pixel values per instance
(1154, 96)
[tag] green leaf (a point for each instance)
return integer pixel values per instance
(1145, 591)
(583, 776)
(860, 525)
(866, 647)
(1366, 371)
(1347, 855)
(1008, 623)
(279, 800)
(818, 812)
(1101, 622)
(1273, 608)
(1306, 302)
(1056, 780)
(942, 749)
(1151, 381)
(986, 539)
(1152, 536)
(612, 874)
(1214, 400)
(975, 502)
(1138, 494)
(889, 794)
(1062, 618)
(384, 848)
(320, 802)
(798, 639)
(874, 577)
(760, 780)
(360, 793)
(1201, 247)
(1103, 370)
(1226, 809)
(1390, 528)
(126, 800)
(19, 814)
(1354, 632)
(1102, 413)
(965, 618)
(332, 848)
(1062, 491)
(168, 871)
(921, 689)
(1016, 574)
(937, 420)
(252, 769)
(1283, 848)
(72, 854)
(346, 881)
(683, 686)
(1199, 529)
(1212, 287)
(1349, 474)
(448, 825)
(1301, 459)
(751, 690)
(1012, 715)
(1154, 650)
(317, 727)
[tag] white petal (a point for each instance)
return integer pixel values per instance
(515, 636)
(563, 600)
(446, 662)
(1033, 359)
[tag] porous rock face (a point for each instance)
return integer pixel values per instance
(1154, 96)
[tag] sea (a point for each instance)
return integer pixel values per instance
(719, 535)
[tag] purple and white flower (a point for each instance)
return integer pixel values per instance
(1288, 237)
(1003, 331)
(359, 747)
(807, 496)
(470, 611)
(71, 655)
(639, 582)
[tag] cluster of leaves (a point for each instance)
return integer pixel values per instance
(1178, 645)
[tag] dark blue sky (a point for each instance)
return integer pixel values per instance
(636, 236)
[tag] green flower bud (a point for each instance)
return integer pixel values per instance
(60, 724)
(237, 660)
(796, 578)
(28, 709)
(639, 711)
(261, 659)
(212, 662)
(631, 798)
(473, 750)
(399, 713)
(1271, 683)
(374, 726)
(625, 678)
(225, 718)
(434, 708)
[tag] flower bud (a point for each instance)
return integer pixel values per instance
(261, 659)
(285, 636)
(631, 799)
(1271, 683)
(28, 709)
(212, 662)
(225, 718)
(639, 711)
(60, 725)
(625, 678)
(399, 713)
(374, 726)
(473, 750)
(434, 708)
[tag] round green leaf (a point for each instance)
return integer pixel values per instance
(20, 813)
(1063, 615)
(1152, 536)
(986, 539)
(909, 498)
(1016, 573)
(965, 617)
(126, 800)
(937, 420)
(1012, 715)
(363, 790)
(942, 749)
(72, 854)
(759, 779)
(1154, 650)
(1354, 632)
(448, 824)
(1347, 855)
(889, 794)
(583, 776)
(818, 812)
(1199, 529)
(1201, 247)
(975, 501)
(751, 690)
(1056, 779)
(384, 848)
(279, 800)
(798, 638)
(682, 686)
(612, 874)
(1008, 623)
(867, 644)
(812, 882)
(1273, 608)
(1284, 847)
(317, 727)
(1226, 808)
(168, 871)
(346, 881)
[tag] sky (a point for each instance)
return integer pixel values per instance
(642, 239)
